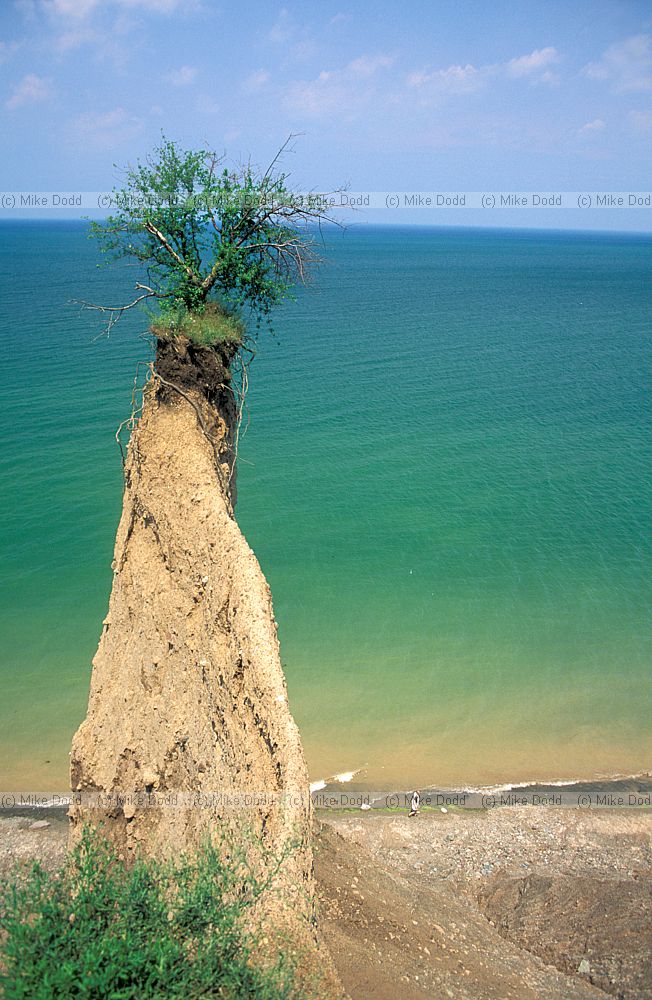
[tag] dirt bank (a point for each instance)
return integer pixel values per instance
(188, 716)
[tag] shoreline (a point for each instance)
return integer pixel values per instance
(632, 792)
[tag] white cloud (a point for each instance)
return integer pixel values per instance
(453, 80)
(533, 64)
(282, 29)
(183, 76)
(304, 49)
(116, 43)
(107, 129)
(161, 6)
(256, 80)
(626, 65)
(597, 125)
(112, 27)
(77, 9)
(641, 121)
(90, 121)
(75, 38)
(341, 91)
(82, 10)
(32, 89)
(294, 38)
(365, 66)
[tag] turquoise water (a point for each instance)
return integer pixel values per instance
(446, 479)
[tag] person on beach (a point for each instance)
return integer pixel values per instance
(414, 804)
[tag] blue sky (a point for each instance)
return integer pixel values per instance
(464, 96)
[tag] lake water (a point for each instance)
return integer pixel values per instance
(445, 477)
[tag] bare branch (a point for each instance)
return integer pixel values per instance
(292, 135)
(151, 228)
(116, 312)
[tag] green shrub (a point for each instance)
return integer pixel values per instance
(208, 326)
(100, 929)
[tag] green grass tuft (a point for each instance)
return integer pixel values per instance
(208, 327)
(100, 929)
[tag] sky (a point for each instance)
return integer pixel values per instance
(525, 96)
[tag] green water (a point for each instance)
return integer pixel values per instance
(446, 479)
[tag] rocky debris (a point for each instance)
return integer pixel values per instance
(572, 889)
(394, 935)
(467, 847)
(20, 844)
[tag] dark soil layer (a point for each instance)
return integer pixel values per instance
(192, 366)
(203, 376)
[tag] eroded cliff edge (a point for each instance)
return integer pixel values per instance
(187, 695)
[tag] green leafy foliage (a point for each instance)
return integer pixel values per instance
(201, 230)
(99, 929)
